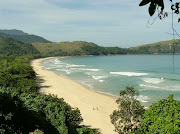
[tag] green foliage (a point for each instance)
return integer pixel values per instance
(15, 118)
(163, 47)
(21, 36)
(76, 48)
(55, 110)
(12, 47)
(128, 116)
(162, 117)
(37, 131)
(86, 130)
(23, 110)
(17, 74)
(159, 6)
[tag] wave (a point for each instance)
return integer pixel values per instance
(153, 80)
(85, 84)
(143, 98)
(169, 88)
(88, 69)
(57, 61)
(129, 73)
(149, 86)
(51, 67)
(64, 70)
(73, 65)
(101, 80)
(98, 77)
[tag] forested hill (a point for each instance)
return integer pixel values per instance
(12, 47)
(75, 48)
(21, 36)
(163, 47)
(78, 48)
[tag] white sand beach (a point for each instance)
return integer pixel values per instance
(94, 107)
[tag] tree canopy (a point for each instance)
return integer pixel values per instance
(129, 112)
(162, 117)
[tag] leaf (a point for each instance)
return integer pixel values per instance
(152, 9)
(144, 2)
(160, 3)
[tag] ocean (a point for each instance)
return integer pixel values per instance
(153, 75)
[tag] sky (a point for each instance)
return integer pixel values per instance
(119, 23)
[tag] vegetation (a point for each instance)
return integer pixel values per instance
(21, 36)
(128, 116)
(23, 110)
(75, 48)
(13, 47)
(159, 7)
(78, 48)
(163, 47)
(162, 117)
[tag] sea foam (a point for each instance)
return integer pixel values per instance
(149, 86)
(64, 70)
(153, 80)
(89, 69)
(73, 65)
(143, 98)
(129, 73)
(98, 77)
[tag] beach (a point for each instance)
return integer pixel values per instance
(95, 108)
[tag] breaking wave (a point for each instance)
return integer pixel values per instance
(129, 73)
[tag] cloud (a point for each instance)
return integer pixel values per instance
(107, 22)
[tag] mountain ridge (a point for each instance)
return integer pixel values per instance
(22, 36)
(78, 48)
(10, 46)
(161, 47)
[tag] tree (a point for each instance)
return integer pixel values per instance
(128, 116)
(156, 4)
(162, 117)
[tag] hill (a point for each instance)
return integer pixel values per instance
(13, 32)
(12, 47)
(163, 47)
(75, 48)
(21, 36)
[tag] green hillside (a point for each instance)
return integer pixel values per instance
(13, 32)
(21, 36)
(12, 47)
(75, 48)
(163, 47)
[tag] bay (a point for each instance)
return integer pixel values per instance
(153, 75)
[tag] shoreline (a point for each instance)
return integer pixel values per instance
(85, 86)
(95, 107)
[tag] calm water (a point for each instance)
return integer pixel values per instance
(152, 75)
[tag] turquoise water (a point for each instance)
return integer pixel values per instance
(152, 75)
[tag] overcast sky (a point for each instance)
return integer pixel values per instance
(105, 22)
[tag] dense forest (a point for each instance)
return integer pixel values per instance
(21, 36)
(24, 110)
(12, 47)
